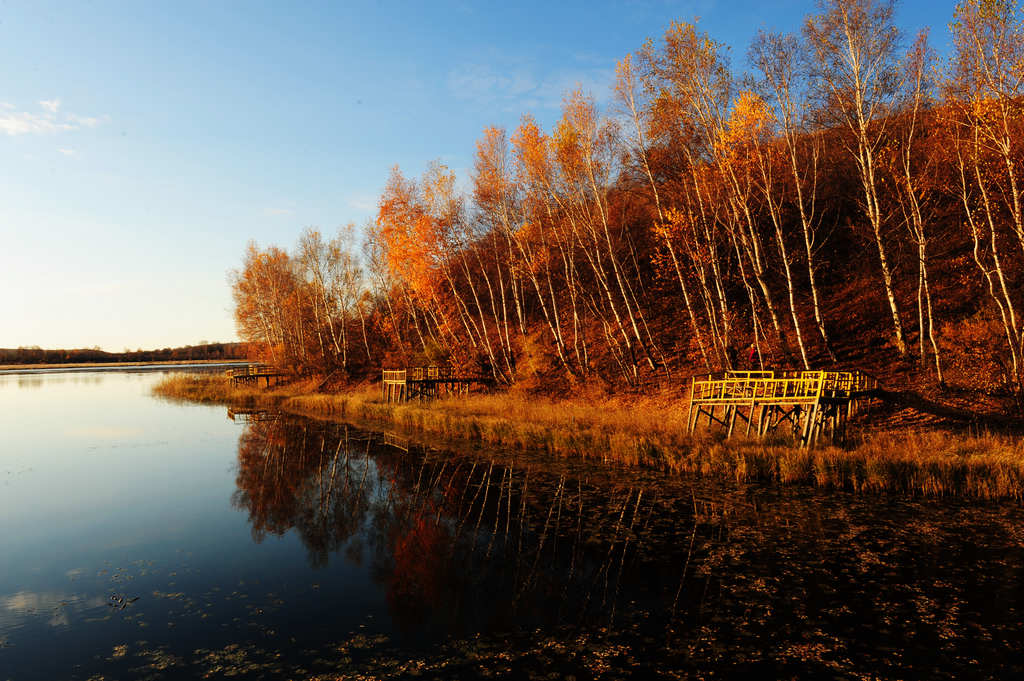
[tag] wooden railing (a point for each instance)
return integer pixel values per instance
(428, 381)
(750, 374)
(730, 390)
(428, 373)
(252, 370)
(770, 386)
(784, 384)
(846, 383)
(810, 402)
(394, 375)
(252, 374)
(431, 373)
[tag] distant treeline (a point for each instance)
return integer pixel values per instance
(207, 351)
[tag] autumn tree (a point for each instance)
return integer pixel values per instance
(688, 86)
(984, 85)
(636, 105)
(585, 152)
(497, 200)
(319, 263)
(912, 159)
(544, 250)
(854, 45)
(263, 290)
(780, 63)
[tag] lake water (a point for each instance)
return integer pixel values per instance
(144, 539)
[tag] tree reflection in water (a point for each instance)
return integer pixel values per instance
(701, 576)
(307, 477)
(461, 545)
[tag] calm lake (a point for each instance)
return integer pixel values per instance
(144, 539)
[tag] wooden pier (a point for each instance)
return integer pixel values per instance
(810, 403)
(252, 373)
(402, 385)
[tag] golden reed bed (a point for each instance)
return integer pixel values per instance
(651, 432)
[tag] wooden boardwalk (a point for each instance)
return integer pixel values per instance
(252, 373)
(402, 385)
(810, 403)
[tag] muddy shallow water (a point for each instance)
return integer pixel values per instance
(145, 539)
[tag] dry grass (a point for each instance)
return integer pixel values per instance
(200, 388)
(651, 431)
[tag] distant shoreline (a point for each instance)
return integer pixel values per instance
(91, 366)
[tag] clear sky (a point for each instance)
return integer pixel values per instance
(142, 144)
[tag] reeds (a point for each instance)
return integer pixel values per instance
(651, 432)
(202, 388)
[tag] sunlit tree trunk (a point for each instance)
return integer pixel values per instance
(854, 45)
(626, 90)
(911, 185)
(777, 58)
(772, 193)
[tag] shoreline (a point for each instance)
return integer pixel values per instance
(649, 432)
(75, 366)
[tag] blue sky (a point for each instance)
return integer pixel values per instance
(142, 144)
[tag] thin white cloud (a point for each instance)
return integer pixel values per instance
(67, 152)
(26, 123)
(488, 86)
(364, 203)
(86, 121)
(48, 120)
(520, 87)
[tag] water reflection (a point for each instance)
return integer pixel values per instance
(461, 545)
(30, 382)
(39, 379)
(699, 577)
(56, 609)
(127, 530)
(302, 476)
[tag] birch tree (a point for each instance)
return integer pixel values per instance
(854, 46)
